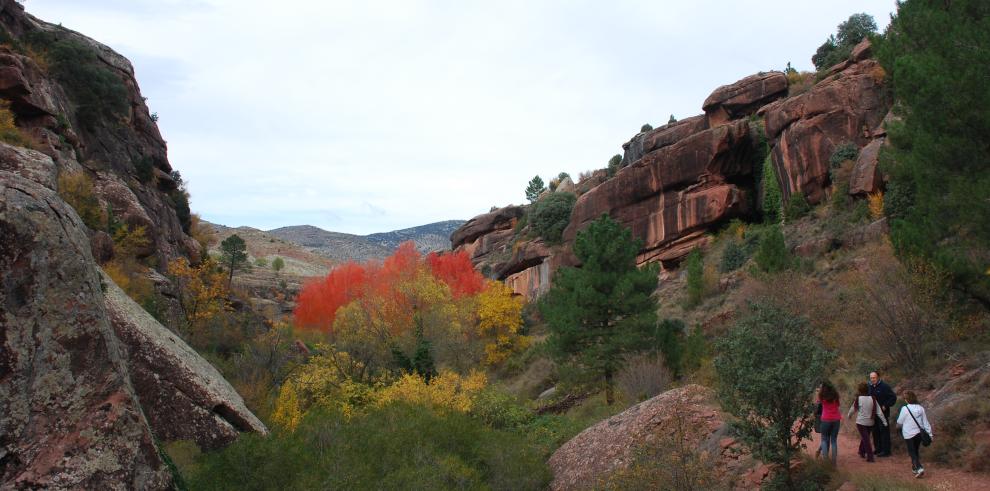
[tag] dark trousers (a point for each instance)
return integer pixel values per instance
(881, 434)
(914, 450)
(865, 448)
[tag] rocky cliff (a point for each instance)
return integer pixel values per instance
(89, 382)
(680, 181)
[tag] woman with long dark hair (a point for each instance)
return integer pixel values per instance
(867, 410)
(828, 397)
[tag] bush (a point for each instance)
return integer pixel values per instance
(695, 279)
(643, 376)
(550, 216)
(733, 257)
(646, 127)
(772, 197)
(772, 255)
(768, 367)
(797, 207)
(842, 153)
(9, 132)
(144, 169)
(614, 164)
(838, 47)
(98, 92)
(77, 190)
(399, 446)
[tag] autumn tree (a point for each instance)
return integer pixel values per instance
(201, 291)
(233, 252)
(603, 310)
(500, 322)
(457, 272)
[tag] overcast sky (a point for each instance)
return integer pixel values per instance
(370, 116)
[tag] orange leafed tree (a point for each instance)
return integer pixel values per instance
(319, 299)
(455, 269)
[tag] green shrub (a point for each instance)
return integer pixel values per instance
(144, 169)
(614, 164)
(733, 257)
(550, 216)
(77, 190)
(97, 92)
(772, 255)
(797, 207)
(399, 446)
(646, 127)
(772, 202)
(695, 278)
(768, 366)
(842, 153)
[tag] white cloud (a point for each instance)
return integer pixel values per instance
(371, 116)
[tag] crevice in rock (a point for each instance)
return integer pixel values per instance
(231, 416)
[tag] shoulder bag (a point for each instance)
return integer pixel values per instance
(926, 439)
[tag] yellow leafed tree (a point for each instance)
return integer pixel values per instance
(499, 322)
(202, 290)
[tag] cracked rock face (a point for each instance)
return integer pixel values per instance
(69, 417)
(88, 379)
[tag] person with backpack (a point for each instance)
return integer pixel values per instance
(915, 429)
(867, 411)
(831, 416)
(886, 398)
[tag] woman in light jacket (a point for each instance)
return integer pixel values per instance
(867, 411)
(912, 415)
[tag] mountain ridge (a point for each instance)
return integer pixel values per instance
(340, 246)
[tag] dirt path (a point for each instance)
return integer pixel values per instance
(897, 468)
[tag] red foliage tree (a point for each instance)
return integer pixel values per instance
(455, 269)
(317, 304)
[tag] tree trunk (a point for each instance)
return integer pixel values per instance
(609, 393)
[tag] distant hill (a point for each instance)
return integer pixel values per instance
(348, 247)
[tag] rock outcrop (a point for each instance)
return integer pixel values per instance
(109, 149)
(183, 396)
(744, 97)
(679, 181)
(675, 190)
(69, 416)
(586, 460)
(804, 131)
(88, 380)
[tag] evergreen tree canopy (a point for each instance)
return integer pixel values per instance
(837, 47)
(937, 54)
(603, 310)
(534, 189)
(233, 250)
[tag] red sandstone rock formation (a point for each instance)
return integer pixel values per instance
(744, 97)
(804, 130)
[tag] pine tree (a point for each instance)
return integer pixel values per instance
(233, 251)
(603, 310)
(936, 54)
(534, 189)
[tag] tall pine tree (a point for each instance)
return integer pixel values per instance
(937, 54)
(603, 310)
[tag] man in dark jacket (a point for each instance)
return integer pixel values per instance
(886, 399)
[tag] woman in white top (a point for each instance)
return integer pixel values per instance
(867, 410)
(912, 420)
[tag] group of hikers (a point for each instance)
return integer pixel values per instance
(871, 407)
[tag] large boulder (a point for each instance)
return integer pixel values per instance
(69, 417)
(804, 130)
(744, 97)
(865, 178)
(183, 396)
(586, 460)
(677, 190)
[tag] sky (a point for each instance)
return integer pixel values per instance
(371, 116)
